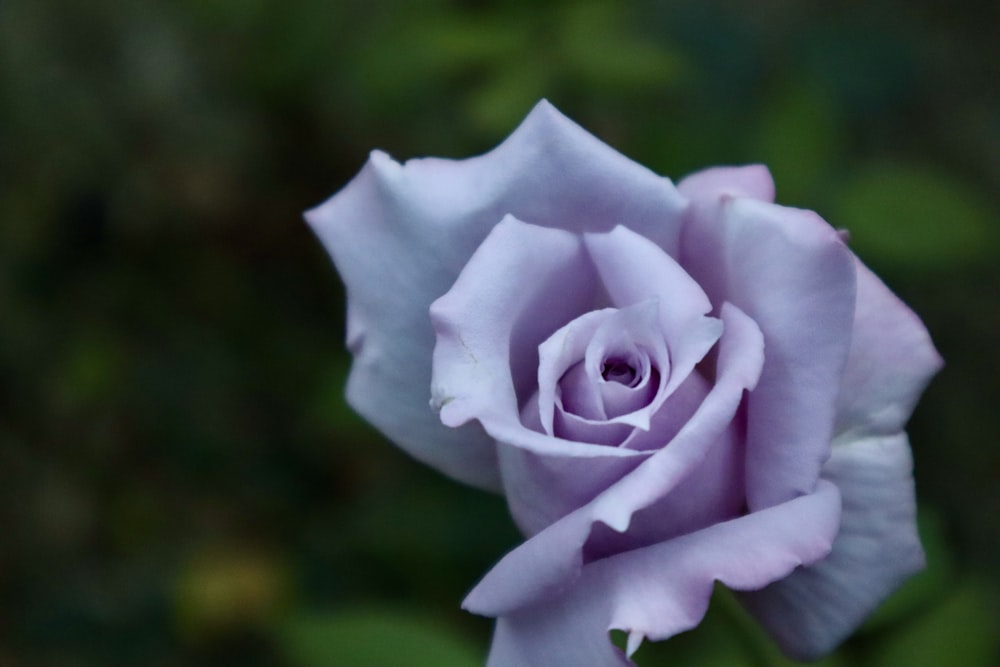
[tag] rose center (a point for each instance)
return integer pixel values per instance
(619, 370)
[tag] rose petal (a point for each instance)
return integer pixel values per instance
(621, 401)
(391, 270)
(672, 415)
(578, 429)
(711, 493)
(400, 235)
(661, 590)
(552, 558)
(815, 608)
(557, 356)
(589, 338)
(890, 362)
(753, 181)
(790, 272)
(481, 353)
(576, 394)
(630, 331)
(541, 488)
(554, 173)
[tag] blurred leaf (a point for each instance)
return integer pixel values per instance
(229, 588)
(727, 637)
(418, 52)
(500, 104)
(960, 631)
(867, 66)
(598, 48)
(715, 642)
(902, 214)
(329, 410)
(453, 40)
(226, 12)
(373, 638)
(92, 372)
(756, 641)
(797, 138)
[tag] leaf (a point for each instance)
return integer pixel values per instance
(505, 98)
(797, 138)
(962, 630)
(727, 637)
(373, 637)
(755, 640)
(907, 215)
(597, 46)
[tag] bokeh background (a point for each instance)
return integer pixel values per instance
(181, 482)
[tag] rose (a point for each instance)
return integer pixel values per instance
(670, 385)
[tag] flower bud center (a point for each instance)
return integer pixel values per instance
(615, 369)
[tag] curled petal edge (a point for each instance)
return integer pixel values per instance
(658, 591)
(553, 558)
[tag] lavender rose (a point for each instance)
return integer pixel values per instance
(671, 385)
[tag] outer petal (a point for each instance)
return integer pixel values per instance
(891, 361)
(400, 234)
(552, 559)
(815, 608)
(790, 272)
(752, 181)
(657, 591)
(386, 255)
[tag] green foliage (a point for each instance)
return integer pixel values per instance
(798, 138)
(904, 215)
(961, 630)
(182, 481)
(374, 638)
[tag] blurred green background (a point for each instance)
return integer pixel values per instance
(180, 480)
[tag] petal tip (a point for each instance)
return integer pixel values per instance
(753, 181)
(545, 108)
(312, 216)
(635, 639)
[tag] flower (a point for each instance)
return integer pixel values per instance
(671, 385)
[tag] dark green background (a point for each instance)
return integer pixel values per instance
(180, 480)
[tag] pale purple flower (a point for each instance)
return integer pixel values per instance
(671, 385)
